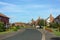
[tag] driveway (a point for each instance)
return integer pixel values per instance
(28, 34)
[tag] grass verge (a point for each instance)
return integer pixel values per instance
(56, 32)
(9, 31)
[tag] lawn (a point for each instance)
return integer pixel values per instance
(56, 32)
(9, 31)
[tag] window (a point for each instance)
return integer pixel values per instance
(0, 17)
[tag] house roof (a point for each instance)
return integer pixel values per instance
(57, 17)
(19, 23)
(50, 17)
(3, 15)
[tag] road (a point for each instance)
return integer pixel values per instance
(28, 34)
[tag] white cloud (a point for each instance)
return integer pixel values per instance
(11, 9)
(8, 7)
(12, 16)
(37, 6)
(6, 4)
(55, 10)
(27, 0)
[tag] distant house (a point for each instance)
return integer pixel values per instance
(18, 24)
(57, 19)
(50, 19)
(35, 23)
(21, 24)
(4, 19)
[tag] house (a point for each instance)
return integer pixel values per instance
(35, 23)
(57, 19)
(50, 19)
(32, 22)
(4, 19)
(18, 24)
(21, 24)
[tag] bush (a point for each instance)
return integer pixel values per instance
(2, 28)
(48, 29)
(53, 25)
(15, 28)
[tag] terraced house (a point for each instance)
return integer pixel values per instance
(4, 19)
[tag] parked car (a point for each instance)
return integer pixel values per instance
(37, 27)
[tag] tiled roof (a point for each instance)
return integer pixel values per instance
(50, 17)
(3, 15)
(57, 17)
(19, 23)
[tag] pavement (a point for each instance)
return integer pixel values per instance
(28, 34)
(3, 36)
(48, 35)
(51, 36)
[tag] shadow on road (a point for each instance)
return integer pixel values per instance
(55, 38)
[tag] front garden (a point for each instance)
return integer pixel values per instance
(4, 30)
(53, 30)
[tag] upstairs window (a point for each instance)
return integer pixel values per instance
(0, 17)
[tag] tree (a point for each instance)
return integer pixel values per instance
(42, 22)
(55, 25)
(33, 22)
(2, 28)
(58, 26)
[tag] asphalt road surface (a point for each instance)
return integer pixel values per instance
(28, 34)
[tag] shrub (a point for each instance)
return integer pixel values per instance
(2, 28)
(15, 28)
(48, 29)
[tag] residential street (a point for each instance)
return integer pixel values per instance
(28, 34)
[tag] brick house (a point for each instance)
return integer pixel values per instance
(4, 19)
(35, 23)
(50, 19)
(21, 24)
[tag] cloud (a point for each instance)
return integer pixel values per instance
(37, 6)
(55, 10)
(8, 7)
(11, 9)
(27, 0)
(6, 4)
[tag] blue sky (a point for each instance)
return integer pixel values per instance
(25, 10)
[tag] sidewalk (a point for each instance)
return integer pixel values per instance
(10, 34)
(48, 35)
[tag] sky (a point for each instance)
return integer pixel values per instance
(25, 10)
